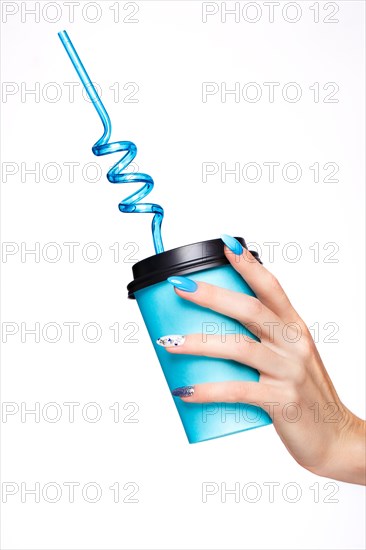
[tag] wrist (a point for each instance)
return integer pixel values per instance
(354, 454)
(346, 460)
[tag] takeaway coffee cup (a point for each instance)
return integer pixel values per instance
(166, 313)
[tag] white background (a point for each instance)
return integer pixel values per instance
(169, 53)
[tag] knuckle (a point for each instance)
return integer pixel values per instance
(248, 348)
(273, 283)
(298, 378)
(208, 392)
(194, 343)
(292, 333)
(291, 395)
(239, 392)
(210, 294)
(240, 350)
(305, 347)
(253, 306)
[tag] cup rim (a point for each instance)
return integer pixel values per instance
(182, 260)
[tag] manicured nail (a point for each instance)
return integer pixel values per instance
(184, 391)
(171, 340)
(233, 244)
(183, 283)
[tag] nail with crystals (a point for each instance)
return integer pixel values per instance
(171, 340)
(184, 391)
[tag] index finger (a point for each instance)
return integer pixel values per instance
(263, 283)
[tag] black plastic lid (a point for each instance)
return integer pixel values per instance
(179, 261)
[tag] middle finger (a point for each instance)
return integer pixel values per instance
(248, 310)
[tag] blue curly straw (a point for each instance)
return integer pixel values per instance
(131, 203)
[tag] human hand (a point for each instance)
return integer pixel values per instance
(318, 430)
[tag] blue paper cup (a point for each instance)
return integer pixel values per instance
(166, 313)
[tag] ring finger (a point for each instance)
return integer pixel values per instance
(236, 347)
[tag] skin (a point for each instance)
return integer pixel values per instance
(320, 433)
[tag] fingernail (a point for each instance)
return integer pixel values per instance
(184, 391)
(171, 340)
(183, 283)
(233, 244)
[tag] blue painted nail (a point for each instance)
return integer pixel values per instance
(233, 244)
(184, 391)
(183, 283)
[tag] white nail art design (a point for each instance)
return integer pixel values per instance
(171, 340)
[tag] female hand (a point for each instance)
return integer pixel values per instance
(291, 370)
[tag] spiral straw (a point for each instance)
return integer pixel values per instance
(131, 203)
